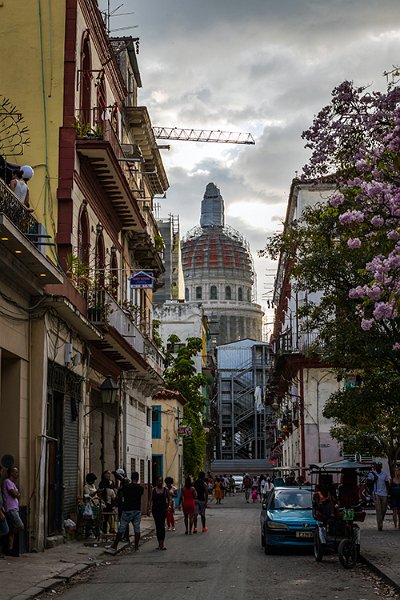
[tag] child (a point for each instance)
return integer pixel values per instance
(173, 492)
(254, 494)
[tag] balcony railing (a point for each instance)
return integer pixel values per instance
(19, 215)
(103, 309)
(288, 342)
(102, 129)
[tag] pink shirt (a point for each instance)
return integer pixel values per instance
(10, 503)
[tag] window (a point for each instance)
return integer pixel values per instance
(86, 76)
(228, 293)
(141, 474)
(240, 294)
(148, 417)
(83, 237)
(100, 260)
(213, 292)
(156, 422)
(133, 465)
(248, 295)
(186, 294)
(198, 293)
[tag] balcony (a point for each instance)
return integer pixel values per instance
(23, 243)
(138, 122)
(101, 154)
(123, 342)
(147, 244)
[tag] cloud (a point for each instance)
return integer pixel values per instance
(259, 66)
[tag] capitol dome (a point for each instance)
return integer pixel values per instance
(219, 273)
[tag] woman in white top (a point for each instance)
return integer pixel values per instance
(20, 189)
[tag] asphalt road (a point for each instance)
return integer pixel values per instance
(227, 562)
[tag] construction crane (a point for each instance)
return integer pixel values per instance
(202, 135)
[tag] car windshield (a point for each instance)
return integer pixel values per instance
(290, 499)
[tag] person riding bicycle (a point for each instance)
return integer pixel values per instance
(247, 483)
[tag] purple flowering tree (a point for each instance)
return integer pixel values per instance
(348, 248)
(357, 139)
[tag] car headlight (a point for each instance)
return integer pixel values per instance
(274, 525)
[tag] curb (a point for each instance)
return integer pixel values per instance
(66, 576)
(372, 566)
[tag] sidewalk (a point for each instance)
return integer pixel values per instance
(26, 577)
(380, 550)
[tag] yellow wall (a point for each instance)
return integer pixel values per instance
(24, 39)
(167, 445)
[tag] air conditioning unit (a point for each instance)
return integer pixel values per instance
(132, 151)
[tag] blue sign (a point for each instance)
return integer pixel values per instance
(141, 280)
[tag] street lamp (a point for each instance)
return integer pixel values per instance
(108, 390)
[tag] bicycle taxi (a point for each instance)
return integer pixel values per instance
(338, 508)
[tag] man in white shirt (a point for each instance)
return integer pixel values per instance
(381, 490)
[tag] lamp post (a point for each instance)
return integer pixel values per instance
(108, 390)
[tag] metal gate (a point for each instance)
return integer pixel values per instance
(65, 389)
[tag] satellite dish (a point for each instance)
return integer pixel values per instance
(7, 461)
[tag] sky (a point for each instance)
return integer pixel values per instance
(264, 67)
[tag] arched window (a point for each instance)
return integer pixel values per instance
(199, 293)
(83, 237)
(228, 293)
(186, 294)
(100, 260)
(213, 293)
(101, 102)
(86, 81)
(240, 294)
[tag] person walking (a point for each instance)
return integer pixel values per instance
(188, 497)
(381, 490)
(173, 493)
(107, 493)
(11, 496)
(201, 488)
(395, 496)
(131, 494)
(159, 506)
(247, 483)
(120, 480)
(218, 490)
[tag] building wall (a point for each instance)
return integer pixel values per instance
(32, 41)
(183, 320)
(170, 444)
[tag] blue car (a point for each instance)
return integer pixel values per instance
(286, 519)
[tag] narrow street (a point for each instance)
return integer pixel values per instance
(227, 562)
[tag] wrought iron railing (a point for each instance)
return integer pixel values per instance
(18, 214)
(103, 309)
(101, 128)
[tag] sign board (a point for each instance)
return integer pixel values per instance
(183, 430)
(141, 280)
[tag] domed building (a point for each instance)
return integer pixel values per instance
(219, 274)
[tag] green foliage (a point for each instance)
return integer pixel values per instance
(320, 261)
(367, 417)
(159, 242)
(181, 376)
(156, 334)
